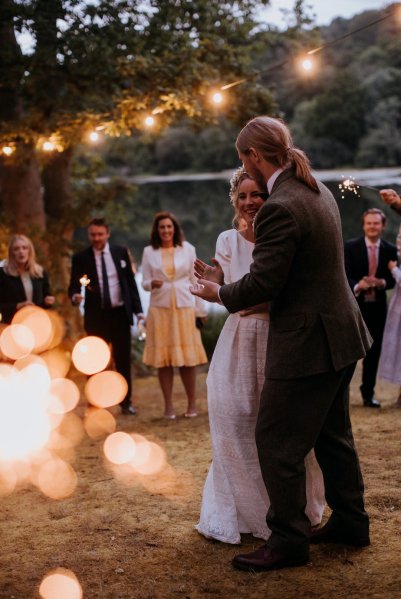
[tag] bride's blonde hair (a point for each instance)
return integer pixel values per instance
(238, 176)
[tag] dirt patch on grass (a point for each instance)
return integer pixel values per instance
(137, 539)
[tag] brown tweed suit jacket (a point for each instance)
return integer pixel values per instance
(298, 265)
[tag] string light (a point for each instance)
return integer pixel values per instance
(307, 64)
(48, 146)
(8, 150)
(94, 136)
(217, 98)
(149, 121)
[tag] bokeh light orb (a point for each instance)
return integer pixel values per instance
(28, 361)
(8, 479)
(24, 423)
(67, 393)
(99, 422)
(91, 355)
(17, 341)
(58, 362)
(106, 389)
(56, 479)
(60, 584)
(38, 322)
(143, 451)
(155, 460)
(119, 448)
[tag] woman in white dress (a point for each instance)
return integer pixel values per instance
(234, 498)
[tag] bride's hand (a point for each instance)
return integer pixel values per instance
(209, 273)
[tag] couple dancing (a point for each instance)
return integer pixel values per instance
(316, 337)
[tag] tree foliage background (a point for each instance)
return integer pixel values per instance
(105, 65)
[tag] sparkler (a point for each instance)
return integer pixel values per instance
(350, 185)
(84, 283)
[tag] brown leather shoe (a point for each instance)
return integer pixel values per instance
(266, 558)
(330, 534)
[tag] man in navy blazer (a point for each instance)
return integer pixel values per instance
(111, 297)
(370, 290)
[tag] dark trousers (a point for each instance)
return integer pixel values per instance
(374, 315)
(114, 328)
(295, 416)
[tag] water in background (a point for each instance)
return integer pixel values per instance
(202, 205)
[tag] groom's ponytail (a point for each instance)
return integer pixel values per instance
(272, 138)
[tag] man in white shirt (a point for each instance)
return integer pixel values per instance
(111, 297)
(366, 265)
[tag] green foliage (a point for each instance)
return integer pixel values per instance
(107, 62)
(339, 113)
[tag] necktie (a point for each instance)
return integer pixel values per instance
(372, 261)
(106, 301)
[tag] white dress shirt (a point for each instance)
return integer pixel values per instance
(112, 275)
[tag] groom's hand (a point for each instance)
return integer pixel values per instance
(207, 290)
(210, 273)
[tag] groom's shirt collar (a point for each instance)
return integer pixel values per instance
(272, 179)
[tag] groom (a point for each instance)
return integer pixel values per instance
(316, 336)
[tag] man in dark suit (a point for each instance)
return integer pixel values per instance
(366, 265)
(316, 335)
(111, 297)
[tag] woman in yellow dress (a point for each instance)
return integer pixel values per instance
(172, 338)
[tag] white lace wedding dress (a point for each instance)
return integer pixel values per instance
(234, 498)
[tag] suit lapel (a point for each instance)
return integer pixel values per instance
(115, 254)
(20, 286)
(383, 258)
(92, 270)
(363, 253)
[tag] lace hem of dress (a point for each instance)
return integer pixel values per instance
(231, 537)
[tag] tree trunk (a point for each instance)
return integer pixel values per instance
(20, 191)
(60, 231)
(20, 187)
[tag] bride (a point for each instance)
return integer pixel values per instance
(234, 498)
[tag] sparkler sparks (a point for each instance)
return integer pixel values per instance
(350, 185)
